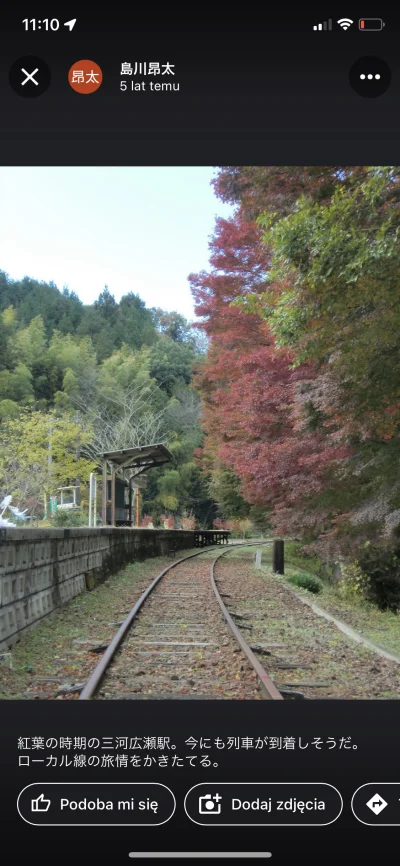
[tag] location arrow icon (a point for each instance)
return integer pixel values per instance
(70, 24)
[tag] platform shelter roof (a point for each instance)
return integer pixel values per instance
(141, 458)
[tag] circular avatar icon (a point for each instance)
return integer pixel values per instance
(85, 76)
(370, 76)
(29, 76)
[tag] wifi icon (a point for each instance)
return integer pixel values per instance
(345, 23)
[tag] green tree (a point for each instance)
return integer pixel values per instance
(3, 345)
(172, 325)
(39, 453)
(28, 344)
(17, 385)
(47, 379)
(106, 305)
(135, 322)
(74, 353)
(171, 363)
(333, 296)
(9, 317)
(9, 409)
(32, 298)
(8, 328)
(224, 487)
(70, 382)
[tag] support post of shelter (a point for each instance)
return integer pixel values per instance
(90, 498)
(113, 497)
(104, 494)
(278, 557)
(130, 503)
(137, 520)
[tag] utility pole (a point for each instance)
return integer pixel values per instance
(77, 479)
(92, 499)
(49, 463)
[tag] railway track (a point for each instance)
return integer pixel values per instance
(180, 641)
(308, 654)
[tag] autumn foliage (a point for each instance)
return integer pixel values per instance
(300, 384)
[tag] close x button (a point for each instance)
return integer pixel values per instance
(29, 76)
(304, 804)
(98, 803)
(377, 804)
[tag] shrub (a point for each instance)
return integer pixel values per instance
(306, 581)
(67, 517)
(381, 566)
(353, 583)
(297, 556)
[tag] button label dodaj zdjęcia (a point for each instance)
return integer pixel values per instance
(264, 803)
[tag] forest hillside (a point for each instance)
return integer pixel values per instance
(77, 380)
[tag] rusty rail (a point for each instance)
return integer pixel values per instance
(270, 692)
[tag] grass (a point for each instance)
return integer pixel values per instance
(49, 647)
(382, 627)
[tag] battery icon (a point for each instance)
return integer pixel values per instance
(371, 24)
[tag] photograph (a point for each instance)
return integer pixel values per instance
(200, 433)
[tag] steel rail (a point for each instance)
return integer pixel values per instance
(94, 680)
(269, 690)
(99, 671)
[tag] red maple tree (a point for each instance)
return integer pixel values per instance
(257, 417)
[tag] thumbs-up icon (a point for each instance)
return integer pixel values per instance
(40, 804)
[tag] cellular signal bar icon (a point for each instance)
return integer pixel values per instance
(325, 25)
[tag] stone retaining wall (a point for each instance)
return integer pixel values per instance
(42, 569)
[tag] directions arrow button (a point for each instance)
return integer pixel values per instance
(377, 804)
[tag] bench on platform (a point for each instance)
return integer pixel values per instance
(205, 537)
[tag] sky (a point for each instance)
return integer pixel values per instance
(135, 229)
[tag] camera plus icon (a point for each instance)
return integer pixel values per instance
(210, 805)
